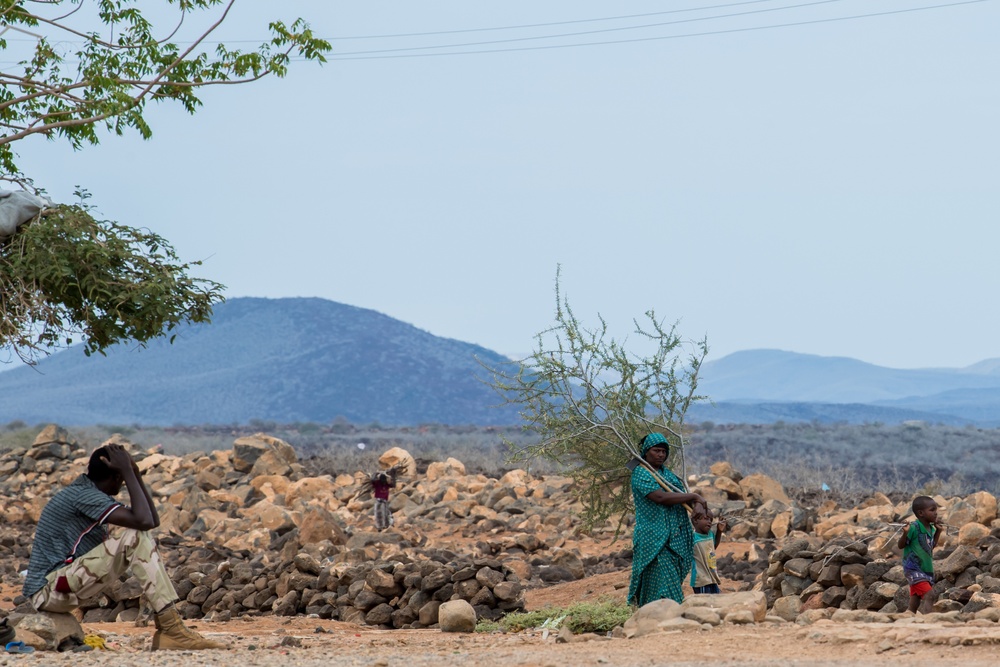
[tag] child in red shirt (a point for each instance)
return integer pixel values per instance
(381, 483)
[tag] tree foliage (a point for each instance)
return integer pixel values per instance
(117, 61)
(590, 399)
(67, 274)
(86, 66)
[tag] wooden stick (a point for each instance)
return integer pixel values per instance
(664, 484)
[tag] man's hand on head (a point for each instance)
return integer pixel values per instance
(119, 460)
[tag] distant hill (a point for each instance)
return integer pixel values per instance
(755, 386)
(286, 360)
(313, 360)
(977, 405)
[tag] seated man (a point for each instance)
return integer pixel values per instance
(73, 558)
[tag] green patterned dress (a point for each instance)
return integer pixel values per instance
(662, 542)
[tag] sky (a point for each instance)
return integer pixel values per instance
(775, 177)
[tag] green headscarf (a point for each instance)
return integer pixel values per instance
(654, 440)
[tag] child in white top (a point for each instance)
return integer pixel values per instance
(704, 576)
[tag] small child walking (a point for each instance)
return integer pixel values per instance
(704, 575)
(918, 544)
(381, 483)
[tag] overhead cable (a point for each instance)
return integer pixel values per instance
(660, 37)
(641, 26)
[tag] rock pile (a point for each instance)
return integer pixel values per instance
(383, 592)
(696, 612)
(247, 532)
(829, 557)
(853, 564)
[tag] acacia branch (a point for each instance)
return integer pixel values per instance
(78, 7)
(146, 86)
(45, 90)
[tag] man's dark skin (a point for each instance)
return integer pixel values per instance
(142, 513)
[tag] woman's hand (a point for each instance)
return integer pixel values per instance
(697, 502)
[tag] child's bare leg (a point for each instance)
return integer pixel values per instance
(927, 602)
(914, 603)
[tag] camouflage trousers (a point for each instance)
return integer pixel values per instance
(89, 575)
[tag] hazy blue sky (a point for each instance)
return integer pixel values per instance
(828, 188)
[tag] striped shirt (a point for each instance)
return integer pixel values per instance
(71, 524)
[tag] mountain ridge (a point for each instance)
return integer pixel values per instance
(300, 359)
(310, 359)
(768, 377)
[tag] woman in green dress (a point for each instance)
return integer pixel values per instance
(662, 541)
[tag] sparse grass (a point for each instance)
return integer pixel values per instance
(487, 626)
(17, 434)
(601, 616)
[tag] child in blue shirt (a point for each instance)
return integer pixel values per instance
(704, 575)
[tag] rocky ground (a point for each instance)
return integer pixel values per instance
(308, 642)
(224, 512)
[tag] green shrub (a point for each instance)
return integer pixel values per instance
(601, 616)
(486, 626)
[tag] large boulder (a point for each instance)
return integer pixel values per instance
(758, 489)
(985, 504)
(956, 563)
(877, 595)
(270, 516)
(317, 525)
(457, 616)
(652, 618)
(960, 513)
(725, 469)
(834, 525)
(50, 628)
(452, 467)
(727, 604)
(971, 533)
(247, 450)
(312, 492)
(788, 607)
(51, 442)
(397, 457)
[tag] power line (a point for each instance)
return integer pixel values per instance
(663, 37)
(498, 28)
(552, 23)
(494, 28)
(369, 55)
(592, 32)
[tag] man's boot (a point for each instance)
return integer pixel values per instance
(171, 633)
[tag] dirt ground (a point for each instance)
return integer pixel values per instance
(311, 642)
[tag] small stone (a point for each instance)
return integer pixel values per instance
(740, 617)
(885, 646)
